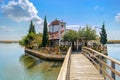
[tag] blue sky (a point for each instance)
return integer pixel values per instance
(15, 15)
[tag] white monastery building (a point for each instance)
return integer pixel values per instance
(57, 29)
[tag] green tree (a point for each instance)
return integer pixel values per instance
(87, 34)
(27, 40)
(32, 28)
(37, 40)
(45, 34)
(31, 40)
(103, 35)
(71, 36)
(36, 43)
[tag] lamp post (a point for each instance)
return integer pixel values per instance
(98, 28)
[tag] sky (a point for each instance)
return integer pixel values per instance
(15, 15)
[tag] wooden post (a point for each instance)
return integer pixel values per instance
(112, 73)
(77, 45)
(100, 64)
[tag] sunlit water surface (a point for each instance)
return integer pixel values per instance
(114, 52)
(15, 65)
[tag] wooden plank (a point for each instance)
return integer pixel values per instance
(82, 69)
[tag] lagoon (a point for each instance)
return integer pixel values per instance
(114, 51)
(15, 65)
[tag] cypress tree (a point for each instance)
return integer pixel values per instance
(103, 35)
(32, 28)
(45, 34)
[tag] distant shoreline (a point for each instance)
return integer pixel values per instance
(113, 42)
(9, 41)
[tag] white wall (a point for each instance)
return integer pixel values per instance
(54, 28)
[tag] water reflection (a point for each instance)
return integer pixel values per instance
(48, 69)
(16, 65)
(28, 62)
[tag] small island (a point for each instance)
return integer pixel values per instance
(46, 45)
(55, 40)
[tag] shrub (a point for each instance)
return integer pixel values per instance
(63, 48)
(31, 41)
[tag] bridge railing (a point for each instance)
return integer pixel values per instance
(99, 60)
(65, 69)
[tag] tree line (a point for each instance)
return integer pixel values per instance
(85, 34)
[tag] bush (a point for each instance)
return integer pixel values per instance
(56, 49)
(31, 41)
(63, 48)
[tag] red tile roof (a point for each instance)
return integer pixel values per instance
(55, 22)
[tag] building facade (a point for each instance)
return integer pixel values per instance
(57, 29)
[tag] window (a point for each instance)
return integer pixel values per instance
(62, 26)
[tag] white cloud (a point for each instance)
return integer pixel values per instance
(6, 29)
(112, 35)
(23, 10)
(98, 8)
(117, 17)
(74, 27)
(11, 32)
(77, 27)
(39, 28)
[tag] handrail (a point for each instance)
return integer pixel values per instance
(64, 72)
(98, 59)
(117, 62)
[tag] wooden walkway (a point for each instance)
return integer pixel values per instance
(82, 69)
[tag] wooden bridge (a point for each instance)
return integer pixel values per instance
(88, 65)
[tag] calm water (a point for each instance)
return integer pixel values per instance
(15, 65)
(114, 52)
